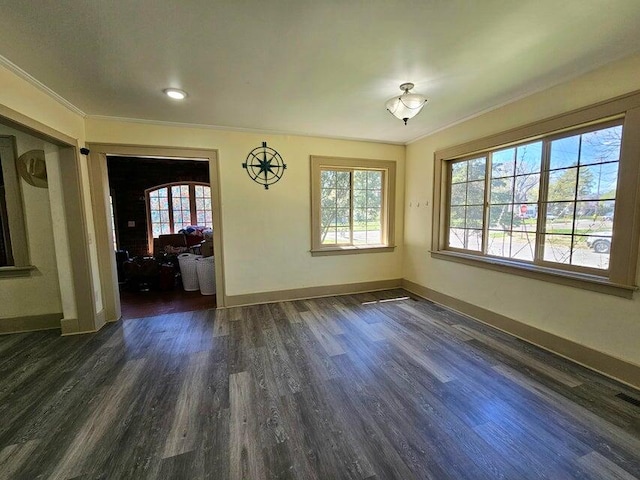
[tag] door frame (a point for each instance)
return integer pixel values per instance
(85, 317)
(99, 186)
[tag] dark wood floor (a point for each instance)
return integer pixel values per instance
(153, 302)
(350, 387)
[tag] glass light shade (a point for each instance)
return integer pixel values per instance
(406, 106)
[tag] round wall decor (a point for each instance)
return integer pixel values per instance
(264, 165)
(33, 168)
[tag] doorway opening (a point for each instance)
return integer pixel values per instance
(162, 221)
(148, 221)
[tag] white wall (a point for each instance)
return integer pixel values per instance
(38, 293)
(60, 237)
(22, 97)
(605, 323)
(266, 233)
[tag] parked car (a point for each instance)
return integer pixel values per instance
(600, 243)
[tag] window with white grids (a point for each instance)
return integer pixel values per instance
(173, 207)
(557, 200)
(351, 205)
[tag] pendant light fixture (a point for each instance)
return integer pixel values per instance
(407, 105)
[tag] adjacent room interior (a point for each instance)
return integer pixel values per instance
(161, 213)
(320, 240)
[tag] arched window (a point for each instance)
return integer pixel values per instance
(174, 206)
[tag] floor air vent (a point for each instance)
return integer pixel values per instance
(629, 399)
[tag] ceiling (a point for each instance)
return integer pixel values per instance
(317, 67)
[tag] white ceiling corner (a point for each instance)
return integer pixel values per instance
(320, 68)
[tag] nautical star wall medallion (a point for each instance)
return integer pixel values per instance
(264, 165)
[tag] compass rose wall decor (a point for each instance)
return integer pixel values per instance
(264, 165)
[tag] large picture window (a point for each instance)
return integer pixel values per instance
(175, 206)
(555, 204)
(351, 205)
(556, 208)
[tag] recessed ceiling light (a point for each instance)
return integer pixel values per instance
(175, 93)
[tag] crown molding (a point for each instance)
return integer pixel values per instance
(257, 131)
(9, 65)
(521, 96)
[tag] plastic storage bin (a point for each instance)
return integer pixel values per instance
(205, 267)
(188, 270)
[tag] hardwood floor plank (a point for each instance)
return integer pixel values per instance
(14, 456)
(179, 466)
(539, 463)
(554, 373)
(278, 462)
(420, 356)
(319, 363)
(285, 372)
(238, 346)
(318, 307)
(220, 320)
(383, 459)
(291, 312)
(245, 453)
(301, 452)
(601, 435)
(368, 330)
(322, 333)
(141, 429)
(76, 456)
(265, 400)
(601, 467)
(184, 429)
(335, 459)
(367, 386)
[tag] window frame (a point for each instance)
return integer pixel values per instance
(387, 216)
(620, 278)
(192, 205)
(18, 246)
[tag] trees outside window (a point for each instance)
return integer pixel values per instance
(544, 201)
(352, 205)
(557, 200)
(173, 207)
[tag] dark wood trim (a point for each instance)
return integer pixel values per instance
(30, 323)
(351, 250)
(311, 292)
(388, 213)
(608, 365)
(537, 272)
(13, 118)
(72, 190)
(24, 271)
(99, 152)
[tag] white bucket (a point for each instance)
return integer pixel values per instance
(187, 262)
(205, 267)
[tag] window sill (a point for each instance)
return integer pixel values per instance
(16, 271)
(562, 277)
(350, 250)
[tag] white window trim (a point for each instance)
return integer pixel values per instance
(387, 222)
(621, 277)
